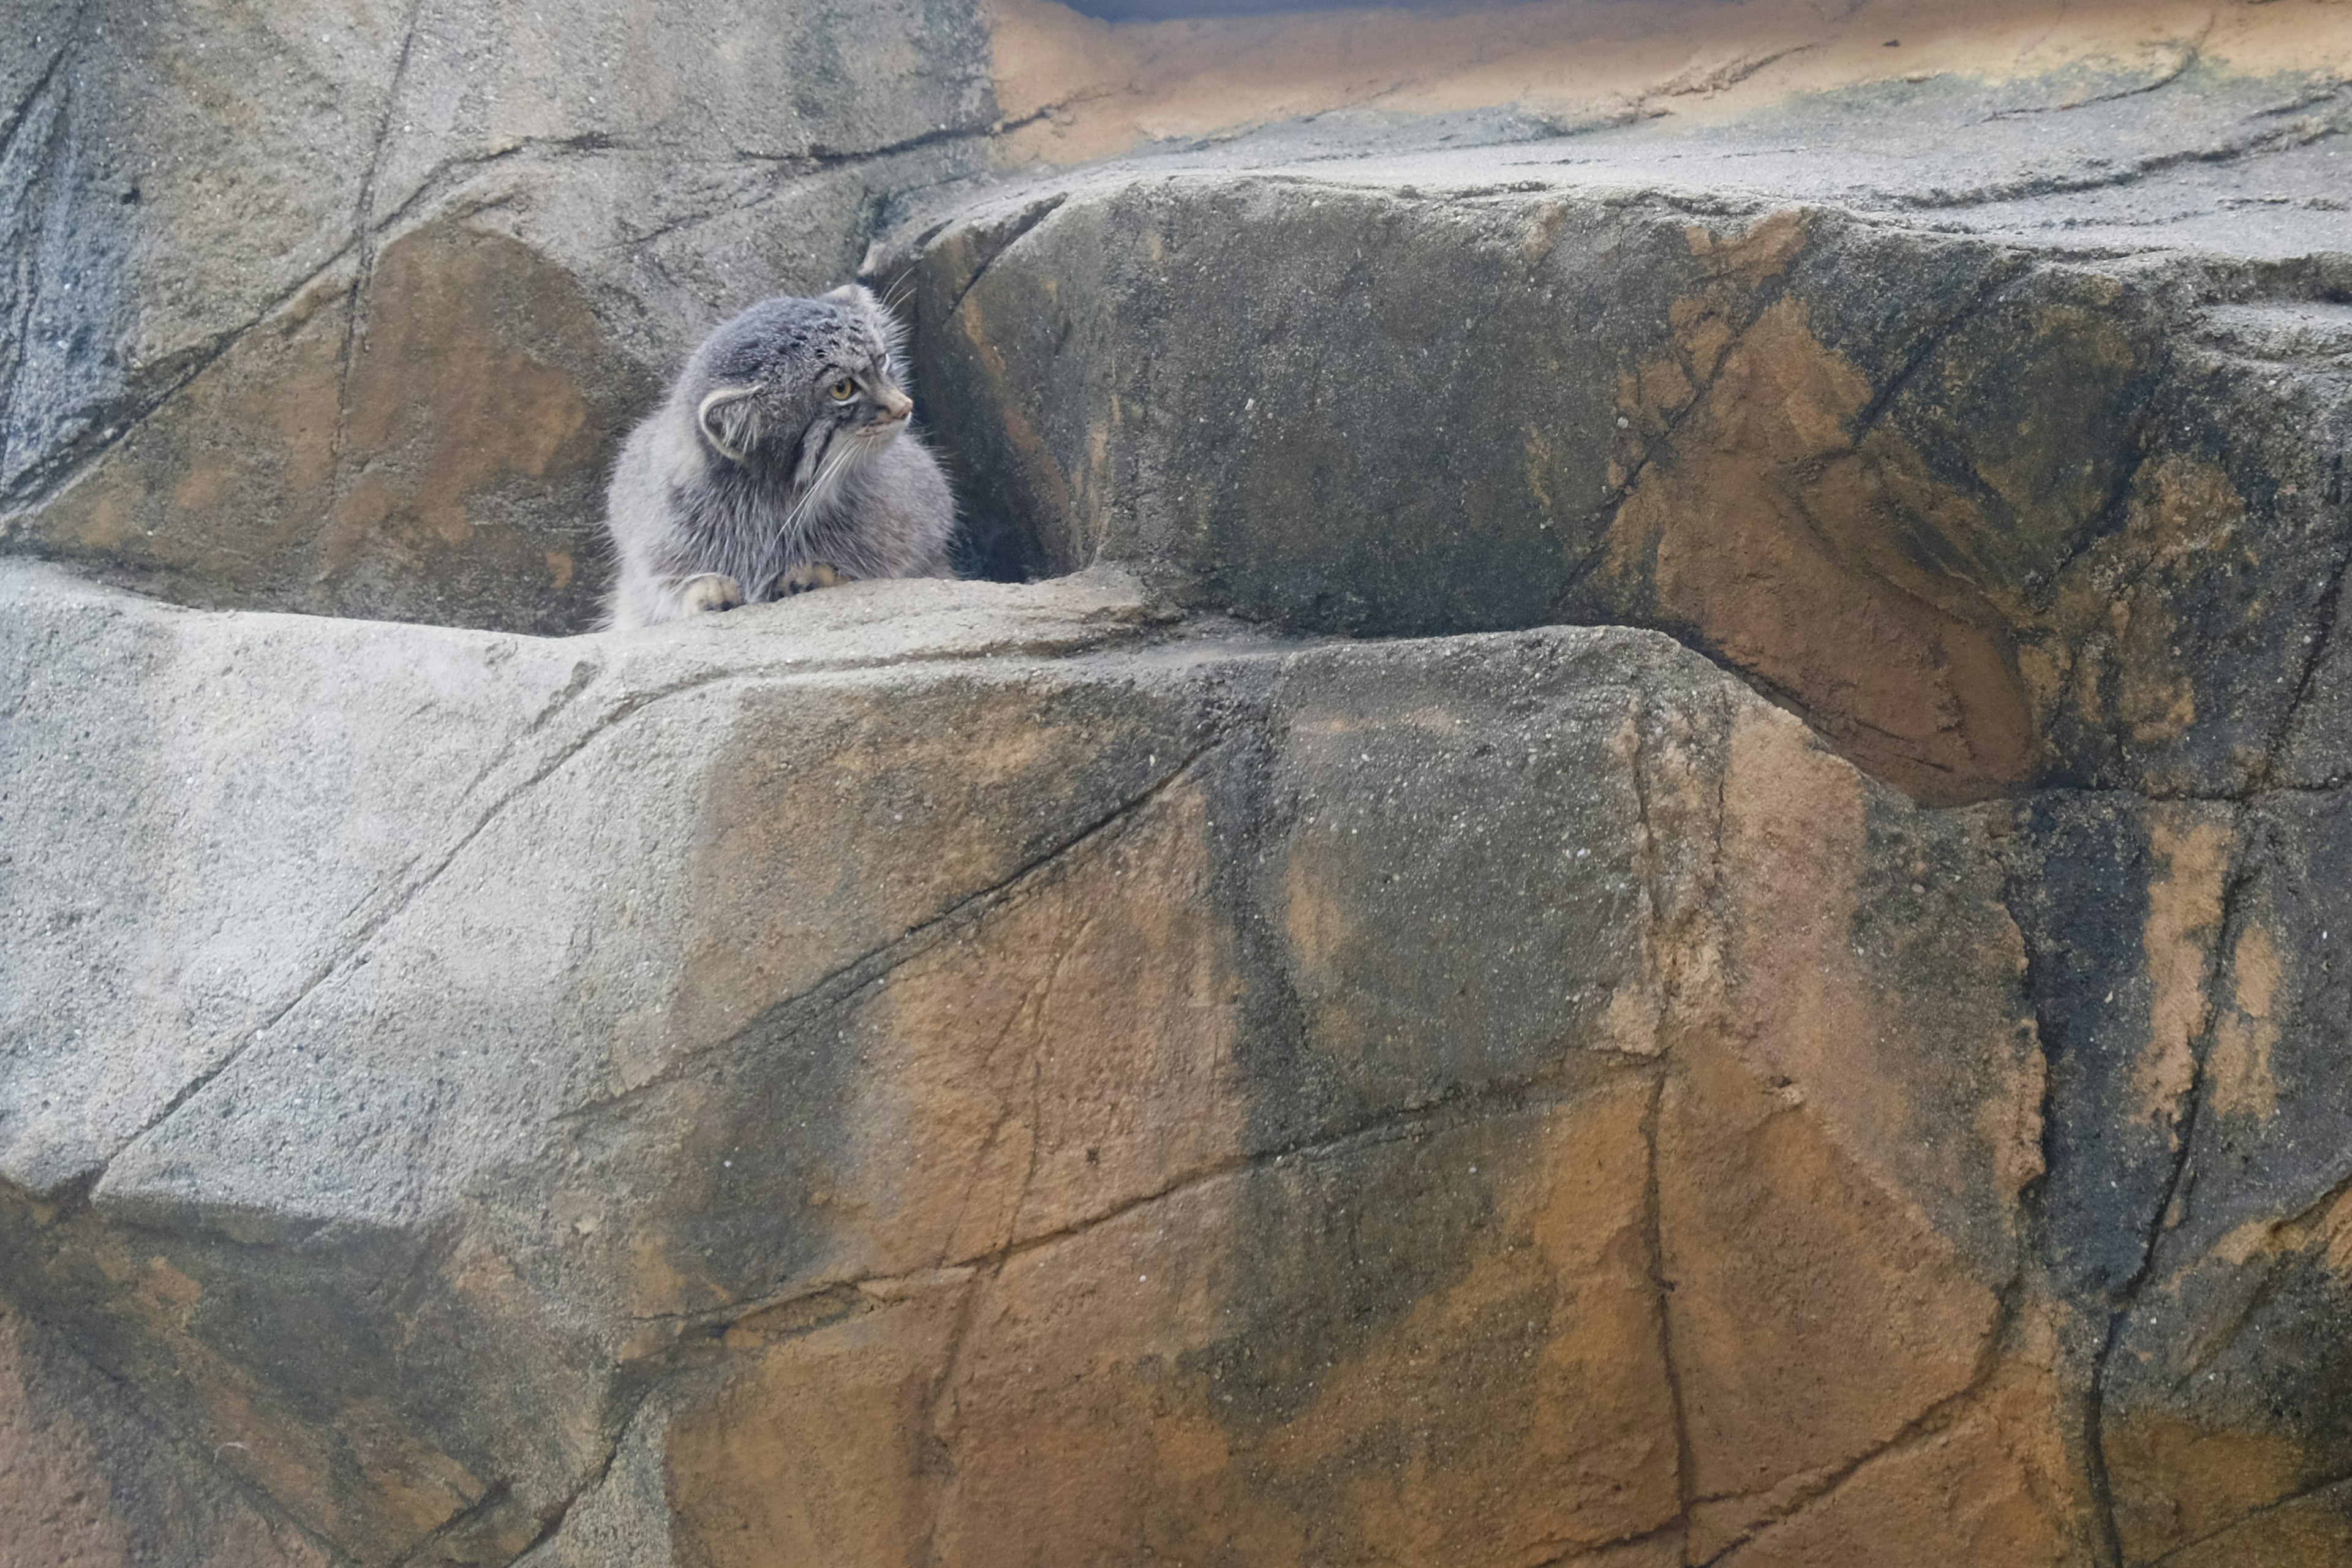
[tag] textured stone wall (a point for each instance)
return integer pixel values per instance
(340, 308)
(1655, 881)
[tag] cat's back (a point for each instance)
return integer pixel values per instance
(653, 466)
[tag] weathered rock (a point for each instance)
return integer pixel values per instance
(1989, 511)
(1203, 1096)
(963, 1073)
(345, 310)
(91, 1482)
(2122, 903)
(2224, 1393)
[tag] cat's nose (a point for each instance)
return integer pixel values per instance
(895, 405)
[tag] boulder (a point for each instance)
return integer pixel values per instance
(941, 1066)
(343, 310)
(1990, 512)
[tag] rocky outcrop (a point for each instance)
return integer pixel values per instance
(992, 1073)
(1656, 882)
(342, 310)
(2082, 504)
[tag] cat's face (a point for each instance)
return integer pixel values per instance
(805, 387)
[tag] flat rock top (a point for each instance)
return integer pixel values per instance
(2099, 130)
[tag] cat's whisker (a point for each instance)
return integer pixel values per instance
(825, 469)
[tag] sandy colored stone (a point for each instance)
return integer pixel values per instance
(2300, 1532)
(430, 445)
(2121, 901)
(2184, 916)
(819, 1450)
(2184, 1484)
(1798, 1203)
(1813, 1318)
(1097, 89)
(1053, 1084)
(378, 1458)
(1988, 1487)
(1889, 478)
(1735, 545)
(87, 1480)
(184, 177)
(1104, 1011)
(1226, 1394)
(2246, 1031)
(966, 1073)
(2219, 1400)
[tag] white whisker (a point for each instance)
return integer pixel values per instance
(829, 466)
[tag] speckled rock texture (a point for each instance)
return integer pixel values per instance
(1652, 877)
(342, 308)
(979, 1065)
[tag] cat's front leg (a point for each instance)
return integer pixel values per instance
(708, 594)
(813, 574)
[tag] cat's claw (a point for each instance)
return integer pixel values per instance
(801, 579)
(711, 591)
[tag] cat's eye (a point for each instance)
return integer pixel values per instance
(842, 390)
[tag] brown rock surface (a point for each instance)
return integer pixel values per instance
(299, 471)
(1989, 517)
(1212, 1098)
(959, 1073)
(88, 1480)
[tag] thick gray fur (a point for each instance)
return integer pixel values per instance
(757, 479)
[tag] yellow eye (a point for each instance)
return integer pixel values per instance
(842, 390)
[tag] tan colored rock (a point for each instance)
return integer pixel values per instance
(2308, 1531)
(954, 1073)
(1157, 1384)
(1986, 1482)
(443, 459)
(1836, 1266)
(931, 1069)
(2221, 1415)
(88, 1481)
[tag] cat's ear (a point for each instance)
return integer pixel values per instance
(729, 419)
(855, 294)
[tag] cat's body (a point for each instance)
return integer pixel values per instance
(782, 459)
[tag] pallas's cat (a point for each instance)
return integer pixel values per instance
(782, 461)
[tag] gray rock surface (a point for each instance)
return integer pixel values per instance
(658, 1045)
(1781, 1008)
(1784, 389)
(339, 310)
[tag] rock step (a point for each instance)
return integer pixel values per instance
(1992, 508)
(953, 1063)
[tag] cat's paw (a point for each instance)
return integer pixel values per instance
(801, 579)
(711, 591)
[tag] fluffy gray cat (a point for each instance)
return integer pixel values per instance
(782, 462)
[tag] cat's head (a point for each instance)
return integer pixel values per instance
(808, 388)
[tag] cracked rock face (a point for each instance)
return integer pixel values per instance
(1662, 888)
(992, 1075)
(342, 309)
(2086, 530)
